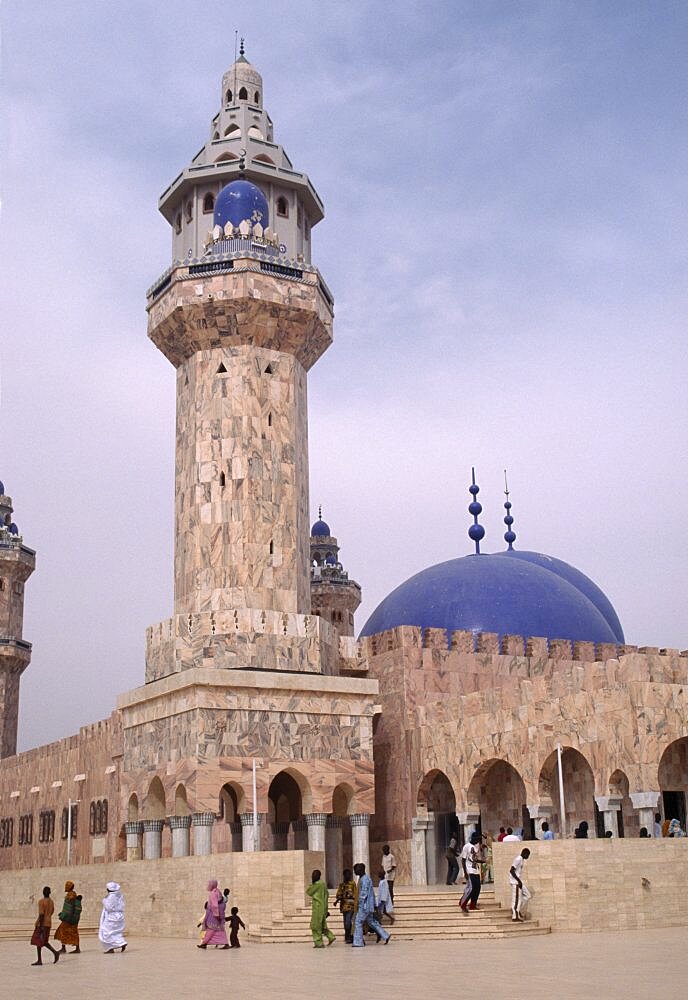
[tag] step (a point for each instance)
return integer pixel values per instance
(448, 934)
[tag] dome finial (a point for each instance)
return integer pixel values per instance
(320, 512)
(476, 532)
(509, 535)
(241, 47)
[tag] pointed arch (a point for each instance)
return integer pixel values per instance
(133, 808)
(154, 805)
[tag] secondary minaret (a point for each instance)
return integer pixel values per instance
(242, 315)
(17, 563)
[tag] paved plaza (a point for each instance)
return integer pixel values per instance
(622, 965)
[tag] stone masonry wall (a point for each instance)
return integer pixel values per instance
(166, 897)
(591, 885)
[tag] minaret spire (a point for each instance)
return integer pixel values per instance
(476, 532)
(509, 534)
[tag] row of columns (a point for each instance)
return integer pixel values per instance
(423, 861)
(144, 837)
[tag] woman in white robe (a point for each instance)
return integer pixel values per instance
(110, 932)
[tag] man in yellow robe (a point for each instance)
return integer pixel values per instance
(317, 890)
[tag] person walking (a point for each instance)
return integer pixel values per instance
(317, 890)
(365, 914)
(214, 922)
(235, 922)
(111, 929)
(70, 914)
(389, 867)
(470, 860)
(346, 899)
(452, 856)
(519, 891)
(385, 904)
(41, 930)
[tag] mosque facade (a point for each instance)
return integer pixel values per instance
(492, 689)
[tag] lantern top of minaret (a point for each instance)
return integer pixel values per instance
(242, 83)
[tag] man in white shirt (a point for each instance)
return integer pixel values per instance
(389, 867)
(657, 828)
(471, 856)
(519, 891)
(510, 836)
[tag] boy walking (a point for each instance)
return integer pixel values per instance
(519, 891)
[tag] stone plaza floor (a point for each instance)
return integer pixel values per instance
(623, 965)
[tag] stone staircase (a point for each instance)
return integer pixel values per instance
(431, 913)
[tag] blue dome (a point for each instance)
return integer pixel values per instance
(241, 201)
(331, 560)
(579, 580)
(493, 593)
(2, 489)
(320, 529)
(14, 530)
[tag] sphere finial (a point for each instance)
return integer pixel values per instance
(320, 512)
(476, 532)
(241, 47)
(509, 534)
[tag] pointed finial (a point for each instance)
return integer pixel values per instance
(476, 532)
(509, 535)
(241, 47)
(320, 512)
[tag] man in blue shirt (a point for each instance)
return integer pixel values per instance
(365, 914)
(546, 832)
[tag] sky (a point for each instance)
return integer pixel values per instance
(505, 236)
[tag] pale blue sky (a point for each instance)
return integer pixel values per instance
(505, 186)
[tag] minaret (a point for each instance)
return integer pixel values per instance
(333, 595)
(242, 315)
(17, 563)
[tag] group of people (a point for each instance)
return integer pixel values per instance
(110, 930)
(361, 909)
(476, 861)
(212, 924)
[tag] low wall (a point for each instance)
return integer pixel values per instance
(166, 897)
(589, 885)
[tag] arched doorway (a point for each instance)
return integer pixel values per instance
(673, 780)
(627, 820)
(227, 831)
(498, 794)
(285, 814)
(579, 790)
(436, 796)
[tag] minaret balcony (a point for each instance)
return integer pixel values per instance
(234, 299)
(14, 652)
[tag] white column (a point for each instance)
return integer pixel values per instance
(180, 826)
(419, 862)
(334, 850)
(469, 821)
(152, 838)
(247, 842)
(316, 831)
(647, 804)
(360, 848)
(203, 832)
(539, 814)
(133, 833)
(609, 806)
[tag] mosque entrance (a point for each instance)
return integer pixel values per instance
(437, 794)
(675, 806)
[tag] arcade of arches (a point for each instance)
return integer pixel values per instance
(288, 823)
(496, 797)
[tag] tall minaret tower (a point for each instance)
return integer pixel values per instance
(17, 563)
(242, 315)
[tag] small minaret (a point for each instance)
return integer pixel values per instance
(17, 563)
(333, 595)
